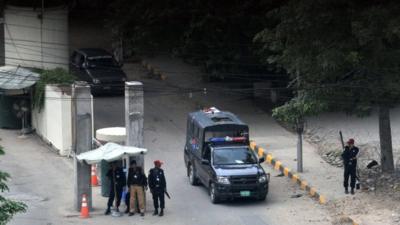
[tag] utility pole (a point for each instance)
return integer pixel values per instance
(82, 139)
(299, 130)
(134, 116)
(2, 42)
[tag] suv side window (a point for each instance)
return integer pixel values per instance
(196, 132)
(207, 153)
(78, 59)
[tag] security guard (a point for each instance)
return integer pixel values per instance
(118, 181)
(137, 183)
(158, 187)
(349, 157)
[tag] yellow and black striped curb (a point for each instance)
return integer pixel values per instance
(304, 185)
(155, 71)
(277, 165)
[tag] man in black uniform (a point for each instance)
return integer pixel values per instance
(117, 183)
(158, 187)
(349, 157)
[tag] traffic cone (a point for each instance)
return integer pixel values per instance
(94, 181)
(84, 207)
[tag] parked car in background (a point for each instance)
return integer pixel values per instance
(99, 68)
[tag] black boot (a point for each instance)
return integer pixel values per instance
(161, 212)
(346, 190)
(352, 191)
(107, 212)
(155, 212)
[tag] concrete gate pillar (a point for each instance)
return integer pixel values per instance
(82, 139)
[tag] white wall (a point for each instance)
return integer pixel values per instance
(32, 42)
(54, 122)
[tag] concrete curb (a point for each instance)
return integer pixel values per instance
(304, 185)
(277, 165)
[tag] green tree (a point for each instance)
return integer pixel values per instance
(214, 33)
(8, 208)
(344, 52)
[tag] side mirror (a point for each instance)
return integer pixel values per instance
(84, 65)
(205, 162)
(261, 160)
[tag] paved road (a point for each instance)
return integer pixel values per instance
(44, 180)
(165, 129)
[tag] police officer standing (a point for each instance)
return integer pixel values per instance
(137, 183)
(349, 157)
(117, 183)
(158, 187)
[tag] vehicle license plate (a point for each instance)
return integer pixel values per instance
(107, 87)
(245, 193)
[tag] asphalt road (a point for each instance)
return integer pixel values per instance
(44, 180)
(165, 129)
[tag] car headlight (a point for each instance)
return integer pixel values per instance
(223, 180)
(96, 81)
(262, 178)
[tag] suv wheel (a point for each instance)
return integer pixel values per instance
(262, 197)
(213, 194)
(192, 175)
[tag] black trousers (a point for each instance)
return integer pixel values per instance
(112, 196)
(350, 172)
(127, 200)
(158, 195)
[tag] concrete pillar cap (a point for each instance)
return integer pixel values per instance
(111, 134)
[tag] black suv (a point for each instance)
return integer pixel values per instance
(217, 154)
(98, 68)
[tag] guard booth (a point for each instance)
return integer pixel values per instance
(16, 97)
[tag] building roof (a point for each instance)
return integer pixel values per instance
(17, 78)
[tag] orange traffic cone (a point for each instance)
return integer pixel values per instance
(94, 177)
(84, 207)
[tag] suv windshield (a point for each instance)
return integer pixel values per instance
(102, 61)
(232, 156)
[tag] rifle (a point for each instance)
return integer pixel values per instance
(341, 139)
(167, 194)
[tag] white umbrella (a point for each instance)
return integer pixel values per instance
(109, 152)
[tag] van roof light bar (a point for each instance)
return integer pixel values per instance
(227, 139)
(211, 110)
